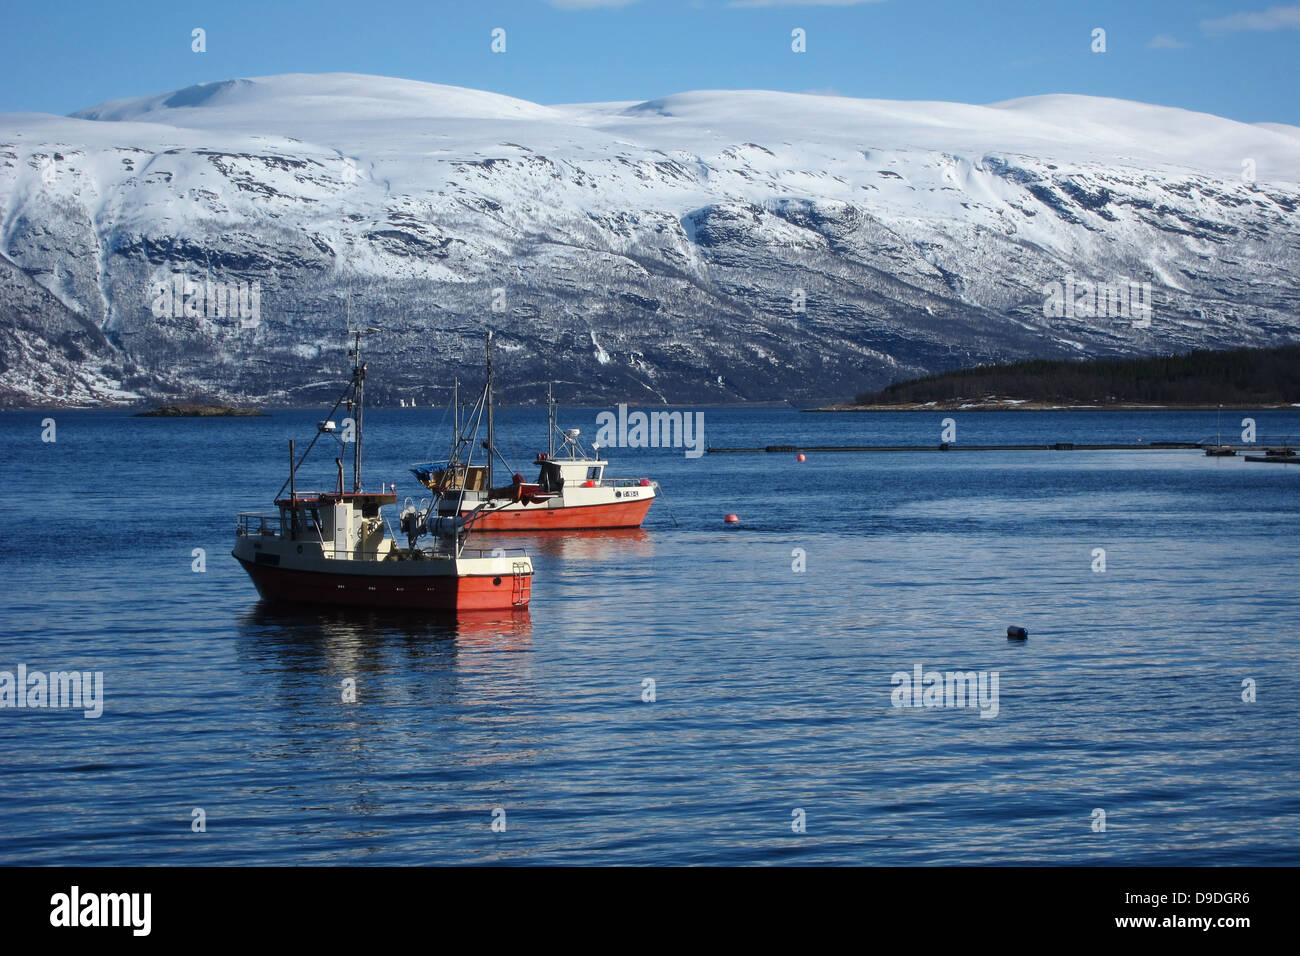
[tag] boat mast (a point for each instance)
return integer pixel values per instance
(491, 435)
(358, 389)
(293, 495)
(455, 417)
(357, 400)
(550, 422)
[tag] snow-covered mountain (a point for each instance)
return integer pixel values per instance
(656, 251)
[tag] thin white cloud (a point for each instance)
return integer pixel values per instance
(1163, 41)
(1274, 18)
(589, 4)
(799, 3)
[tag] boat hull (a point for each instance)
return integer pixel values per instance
(449, 592)
(515, 517)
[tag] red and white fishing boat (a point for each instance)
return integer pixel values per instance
(571, 491)
(336, 548)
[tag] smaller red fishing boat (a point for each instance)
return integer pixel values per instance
(571, 491)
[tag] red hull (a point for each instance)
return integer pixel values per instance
(618, 514)
(447, 592)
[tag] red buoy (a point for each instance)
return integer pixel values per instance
(802, 457)
(645, 482)
(732, 519)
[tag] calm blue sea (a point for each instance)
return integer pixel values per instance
(772, 685)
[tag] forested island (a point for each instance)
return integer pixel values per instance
(1254, 378)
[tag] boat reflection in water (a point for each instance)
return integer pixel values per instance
(605, 547)
(378, 710)
(350, 640)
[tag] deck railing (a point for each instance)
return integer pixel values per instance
(258, 523)
(493, 552)
(430, 551)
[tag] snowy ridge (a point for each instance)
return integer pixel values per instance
(651, 250)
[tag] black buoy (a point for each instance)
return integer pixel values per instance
(1017, 634)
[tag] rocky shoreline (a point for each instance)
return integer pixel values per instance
(201, 411)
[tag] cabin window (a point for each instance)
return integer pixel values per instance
(593, 473)
(302, 520)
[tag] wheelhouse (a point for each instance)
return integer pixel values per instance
(341, 525)
(555, 473)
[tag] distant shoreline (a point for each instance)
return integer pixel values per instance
(1024, 406)
(201, 411)
(1027, 406)
(1201, 380)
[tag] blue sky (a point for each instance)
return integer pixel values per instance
(1237, 58)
